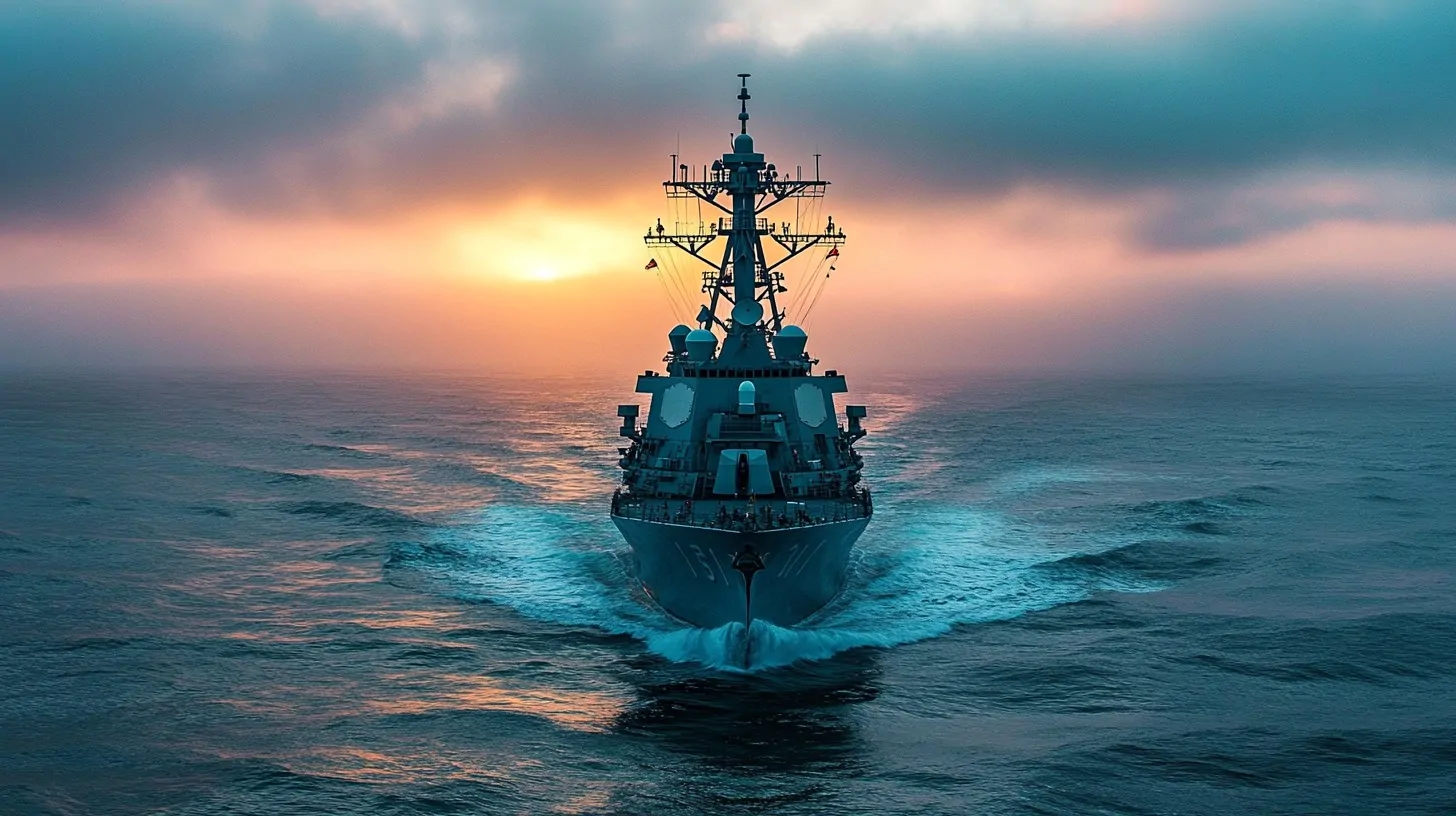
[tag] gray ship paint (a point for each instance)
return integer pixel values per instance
(741, 495)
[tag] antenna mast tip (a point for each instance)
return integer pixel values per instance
(743, 95)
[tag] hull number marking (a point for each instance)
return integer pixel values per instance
(703, 560)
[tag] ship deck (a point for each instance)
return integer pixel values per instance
(744, 514)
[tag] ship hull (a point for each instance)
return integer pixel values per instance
(690, 572)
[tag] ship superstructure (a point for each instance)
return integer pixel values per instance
(741, 493)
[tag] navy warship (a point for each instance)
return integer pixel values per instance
(741, 495)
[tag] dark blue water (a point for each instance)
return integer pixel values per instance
(271, 595)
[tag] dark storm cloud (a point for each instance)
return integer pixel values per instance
(1337, 82)
(101, 96)
(116, 95)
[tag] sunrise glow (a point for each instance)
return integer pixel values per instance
(487, 185)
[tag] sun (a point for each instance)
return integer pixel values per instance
(542, 274)
(531, 242)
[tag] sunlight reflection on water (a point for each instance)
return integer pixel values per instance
(374, 596)
(426, 693)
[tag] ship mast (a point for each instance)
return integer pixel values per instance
(743, 275)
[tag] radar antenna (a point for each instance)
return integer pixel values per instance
(743, 97)
(743, 275)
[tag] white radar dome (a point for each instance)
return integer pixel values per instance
(789, 343)
(747, 398)
(701, 344)
(678, 337)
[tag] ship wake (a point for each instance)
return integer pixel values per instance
(916, 577)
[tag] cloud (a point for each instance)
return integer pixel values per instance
(1241, 92)
(1200, 117)
(375, 105)
(1311, 328)
(1174, 328)
(101, 98)
(1198, 217)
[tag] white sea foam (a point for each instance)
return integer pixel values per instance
(919, 573)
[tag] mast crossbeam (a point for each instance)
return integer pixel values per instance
(785, 190)
(704, 190)
(751, 185)
(798, 249)
(724, 228)
(790, 241)
(691, 244)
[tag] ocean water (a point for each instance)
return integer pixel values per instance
(250, 594)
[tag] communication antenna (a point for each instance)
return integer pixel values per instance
(743, 185)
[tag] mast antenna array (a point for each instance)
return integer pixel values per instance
(743, 275)
(744, 97)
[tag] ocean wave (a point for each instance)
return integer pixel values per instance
(284, 477)
(1205, 528)
(5, 547)
(917, 576)
(1376, 650)
(1138, 562)
(1381, 498)
(354, 513)
(342, 450)
(371, 550)
(1201, 515)
(1187, 510)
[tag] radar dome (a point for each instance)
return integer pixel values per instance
(747, 398)
(789, 343)
(678, 337)
(701, 344)
(743, 143)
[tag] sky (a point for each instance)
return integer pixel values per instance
(1106, 186)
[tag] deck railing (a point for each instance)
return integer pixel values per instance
(768, 514)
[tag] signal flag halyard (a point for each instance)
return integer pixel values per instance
(652, 264)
